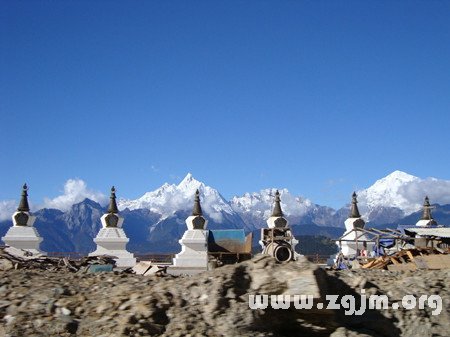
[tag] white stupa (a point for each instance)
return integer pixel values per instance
(427, 219)
(111, 239)
(22, 237)
(193, 257)
(355, 240)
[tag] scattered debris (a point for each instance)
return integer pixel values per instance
(147, 268)
(215, 303)
(411, 259)
(98, 268)
(8, 261)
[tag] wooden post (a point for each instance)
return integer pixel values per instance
(378, 244)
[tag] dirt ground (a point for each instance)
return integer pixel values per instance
(215, 303)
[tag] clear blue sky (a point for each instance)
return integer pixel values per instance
(321, 97)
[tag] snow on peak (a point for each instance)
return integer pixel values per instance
(168, 199)
(189, 183)
(399, 176)
(398, 189)
(389, 186)
(386, 192)
(262, 203)
(189, 177)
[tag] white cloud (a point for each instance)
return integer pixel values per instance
(209, 205)
(437, 190)
(75, 191)
(7, 208)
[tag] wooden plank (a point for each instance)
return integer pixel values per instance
(141, 267)
(400, 253)
(394, 260)
(368, 265)
(381, 263)
(378, 262)
(410, 255)
(384, 265)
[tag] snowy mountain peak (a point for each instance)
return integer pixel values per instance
(187, 179)
(389, 186)
(262, 202)
(189, 183)
(399, 176)
(390, 191)
(169, 199)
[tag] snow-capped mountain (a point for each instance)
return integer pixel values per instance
(400, 194)
(388, 192)
(156, 221)
(173, 204)
(262, 203)
(389, 199)
(169, 199)
(256, 207)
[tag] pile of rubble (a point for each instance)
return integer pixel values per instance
(11, 258)
(411, 259)
(148, 268)
(216, 303)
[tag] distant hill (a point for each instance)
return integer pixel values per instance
(156, 221)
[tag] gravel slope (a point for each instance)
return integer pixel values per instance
(39, 303)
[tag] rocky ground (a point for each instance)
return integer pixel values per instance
(42, 303)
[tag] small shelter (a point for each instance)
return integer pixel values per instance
(229, 246)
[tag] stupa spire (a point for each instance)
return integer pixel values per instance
(277, 208)
(23, 205)
(112, 202)
(354, 211)
(197, 210)
(427, 210)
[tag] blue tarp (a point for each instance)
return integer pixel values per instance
(378, 252)
(387, 243)
(216, 235)
(384, 243)
(226, 240)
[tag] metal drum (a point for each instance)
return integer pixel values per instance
(280, 250)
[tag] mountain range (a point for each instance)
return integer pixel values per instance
(155, 221)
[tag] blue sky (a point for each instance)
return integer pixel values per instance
(321, 97)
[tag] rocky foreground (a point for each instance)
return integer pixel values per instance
(42, 303)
